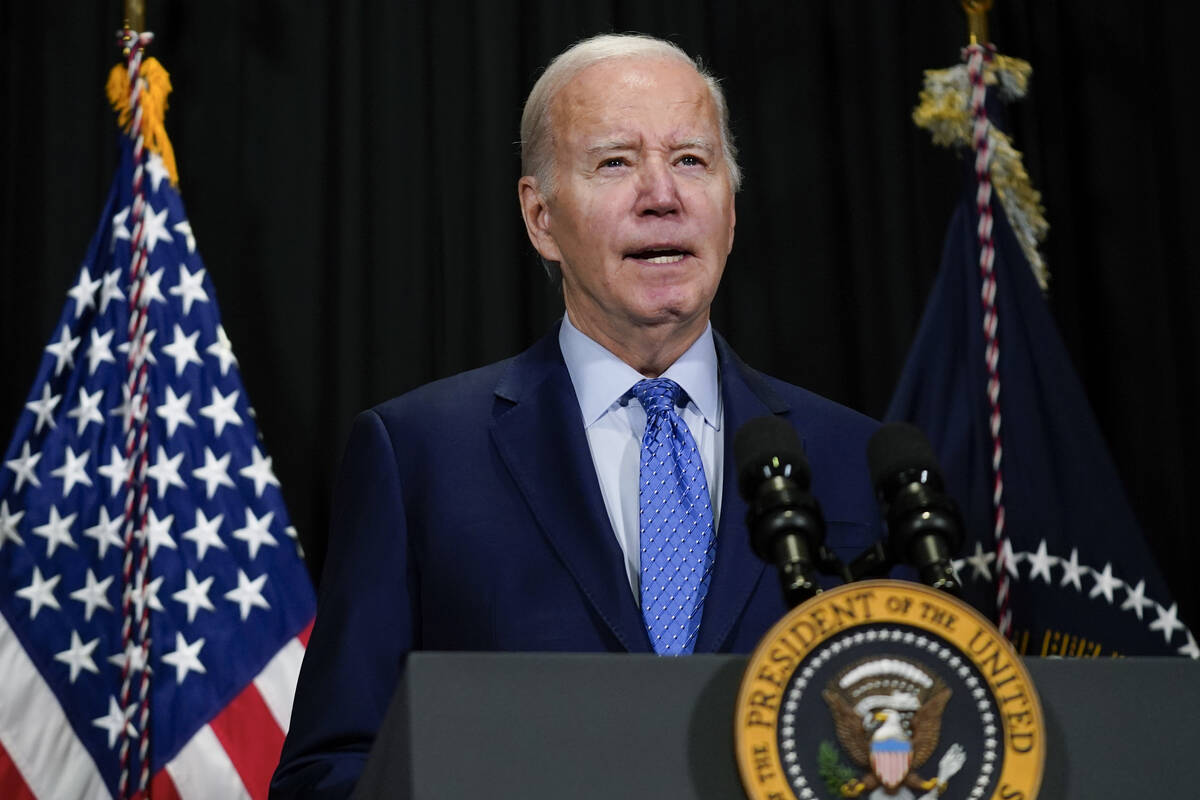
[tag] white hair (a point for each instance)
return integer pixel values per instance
(537, 135)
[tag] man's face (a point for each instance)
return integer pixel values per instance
(642, 217)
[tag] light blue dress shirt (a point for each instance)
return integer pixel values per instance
(614, 422)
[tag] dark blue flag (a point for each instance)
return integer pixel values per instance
(229, 598)
(1082, 580)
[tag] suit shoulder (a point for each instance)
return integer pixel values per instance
(808, 411)
(460, 395)
(806, 404)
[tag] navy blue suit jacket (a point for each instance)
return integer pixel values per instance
(468, 516)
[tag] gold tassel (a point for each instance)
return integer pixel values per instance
(156, 85)
(944, 110)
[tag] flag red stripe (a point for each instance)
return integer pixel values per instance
(304, 634)
(161, 788)
(252, 739)
(12, 785)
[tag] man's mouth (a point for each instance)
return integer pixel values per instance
(659, 256)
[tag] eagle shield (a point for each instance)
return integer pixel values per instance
(890, 758)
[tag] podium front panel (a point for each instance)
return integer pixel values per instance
(584, 726)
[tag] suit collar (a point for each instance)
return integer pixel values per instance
(736, 569)
(539, 434)
(541, 439)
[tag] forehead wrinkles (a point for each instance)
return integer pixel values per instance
(620, 96)
(587, 139)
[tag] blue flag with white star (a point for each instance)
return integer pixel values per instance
(229, 599)
(1083, 582)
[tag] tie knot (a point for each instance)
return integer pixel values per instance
(657, 395)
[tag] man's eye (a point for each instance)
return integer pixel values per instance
(691, 161)
(610, 163)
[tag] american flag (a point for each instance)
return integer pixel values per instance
(230, 602)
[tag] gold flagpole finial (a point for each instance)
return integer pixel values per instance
(135, 14)
(976, 19)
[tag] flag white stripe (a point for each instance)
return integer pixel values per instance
(277, 682)
(35, 731)
(202, 770)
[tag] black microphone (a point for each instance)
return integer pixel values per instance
(785, 522)
(925, 528)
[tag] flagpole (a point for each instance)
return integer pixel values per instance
(976, 11)
(135, 606)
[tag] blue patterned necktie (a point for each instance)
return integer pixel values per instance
(676, 521)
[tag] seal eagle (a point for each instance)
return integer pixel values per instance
(888, 717)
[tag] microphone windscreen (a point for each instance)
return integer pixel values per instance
(765, 447)
(896, 448)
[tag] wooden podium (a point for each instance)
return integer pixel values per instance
(611, 727)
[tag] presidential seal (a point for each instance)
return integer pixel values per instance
(885, 690)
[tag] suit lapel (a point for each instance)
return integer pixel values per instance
(736, 569)
(541, 440)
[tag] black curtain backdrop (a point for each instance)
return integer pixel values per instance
(350, 169)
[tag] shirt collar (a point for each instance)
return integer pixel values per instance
(601, 379)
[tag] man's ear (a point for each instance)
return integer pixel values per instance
(732, 222)
(535, 210)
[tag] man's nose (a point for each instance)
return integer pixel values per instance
(658, 193)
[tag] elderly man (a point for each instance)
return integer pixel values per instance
(579, 495)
